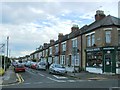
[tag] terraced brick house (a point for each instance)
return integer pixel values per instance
(101, 48)
(94, 47)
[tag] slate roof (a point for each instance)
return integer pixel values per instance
(107, 21)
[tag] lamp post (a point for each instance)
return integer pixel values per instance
(7, 49)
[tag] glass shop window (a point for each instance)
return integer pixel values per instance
(94, 59)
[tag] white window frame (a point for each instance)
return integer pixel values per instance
(108, 36)
(62, 60)
(92, 39)
(46, 52)
(75, 60)
(63, 46)
(56, 48)
(74, 42)
(50, 50)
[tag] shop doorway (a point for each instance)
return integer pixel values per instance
(109, 65)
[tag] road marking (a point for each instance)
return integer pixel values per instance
(20, 78)
(60, 77)
(56, 80)
(41, 74)
(71, 81)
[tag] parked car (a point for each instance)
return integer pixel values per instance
(41, 66)
(57, 69)
(28, 64)
(19, 68)
(33, 65)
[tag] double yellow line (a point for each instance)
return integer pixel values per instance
(20, 78)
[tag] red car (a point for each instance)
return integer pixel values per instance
(19, 68)
(33, 65)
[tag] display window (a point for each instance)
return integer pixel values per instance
(94, 59)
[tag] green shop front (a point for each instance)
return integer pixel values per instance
(103, 59)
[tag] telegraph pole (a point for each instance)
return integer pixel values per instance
(7, 49)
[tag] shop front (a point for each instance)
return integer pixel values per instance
(103, 60)
(94, 60)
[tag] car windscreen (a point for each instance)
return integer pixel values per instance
(58, 66)
(19, 66)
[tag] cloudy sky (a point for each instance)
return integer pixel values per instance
(31, 23)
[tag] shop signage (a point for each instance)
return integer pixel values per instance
(92, 49)
(108, 48)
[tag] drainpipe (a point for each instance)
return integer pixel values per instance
(81, 51)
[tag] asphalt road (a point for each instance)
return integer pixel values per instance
(42, 79)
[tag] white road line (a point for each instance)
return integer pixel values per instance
(56, 80)
(59, 77)
(71, 80)
(26, 83)
(41, 74)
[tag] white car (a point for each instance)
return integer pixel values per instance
(41, 66)
(57, 69)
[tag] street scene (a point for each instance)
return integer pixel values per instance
(60, 44)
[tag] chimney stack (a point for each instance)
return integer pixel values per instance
(52, 42)
(60, 36)
(45, 45)
(99, 15)
(74, 28)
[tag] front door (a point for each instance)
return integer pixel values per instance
(107, 63)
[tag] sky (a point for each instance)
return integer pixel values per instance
(31, 23)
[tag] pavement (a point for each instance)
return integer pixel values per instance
(11, 77)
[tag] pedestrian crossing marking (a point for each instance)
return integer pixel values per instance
(60, 77)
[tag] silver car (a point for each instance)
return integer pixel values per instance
(57, 69)
(41, 66)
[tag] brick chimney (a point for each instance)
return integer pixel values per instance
(60, 36)
(45, 45)
(74, 28)
(99, 15)
(52, 42)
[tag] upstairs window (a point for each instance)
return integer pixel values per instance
(88, 40)
(64, 47)
(108, 36)
(74, 43)
(93, 39)
(50, 50)
(56, 49)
